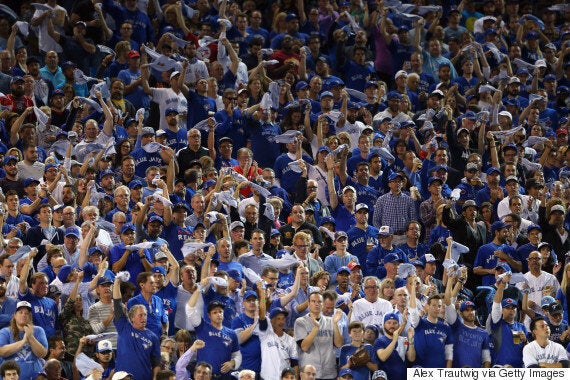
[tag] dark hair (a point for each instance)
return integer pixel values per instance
(204, 364)
(53, 340)
(9, 365)
(143, 277)
(534, 321)
(165, 374)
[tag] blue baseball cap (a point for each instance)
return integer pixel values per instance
(10, 158)
(503, 266)
(465, 304)
(548, 77)
(391, 317)
(393, 94)
(170, 110)
(235, 274)
(135, 183)
(64, 273)
(104, 173)
(159, 269)
(343, 269)
(95, 249)
(325, 94)
(433, 179)
(393, 176)
(274, 231)
(291, 16)
(104, 280)
(508, 302)
(392, 258)
(275, 312)
(531, 35)
(250, 293)
(155, 218)
(493, 170)
(327, 219)
(546, 301)
(72, 231)
(49, 166)
(371, 83)
(30, 181)
(324, 148)
(533, 227)
(301, 85)
(127, 227)
(346, 371)
(498, 225)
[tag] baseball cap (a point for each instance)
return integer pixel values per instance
(511, 178)
(361, 206)
(465, 304)
(555, 308)
(508, 302)
(170, 110)
(498, 225)
(393, 176)
(289, 370)
(10, 158)
(23, 304)
(371, 83)
(120, 375)
(503, 266)
(327, 219)
(385, 231)
(533, 227)
(147, 131)
(250, 293)
(291, 16)
(275, 312)
(235, 274)
(546, 301)
(506, 114)
(64, 273)
(440, 167)
(301, 85)
(236, 224)
(548, 77)
(104, 173)
(159, 269)
(345, 371)
(343, 269)
(391, 317)
(471, 166)
(324, 148)
(133, 54)
(433, 179)
(72, 231)
(557, 208)
(348, 188)
(104, 345)
(391, 258)
(274, 232)
(127, 227)
(134, 183)
(427, 258)
(437, 93)
(352, 265)
(493, 170)
(531, 35)
(30, 181)
(325, 94)
(462, 129)
(339, 235)
(400, 73)
(104, 280)
(15, 79)
(379, 374)
(174, 73)
(49, 166)
(393, 94)
(155, 218)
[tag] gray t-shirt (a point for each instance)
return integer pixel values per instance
(321, 353)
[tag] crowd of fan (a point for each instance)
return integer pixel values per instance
(282, 189)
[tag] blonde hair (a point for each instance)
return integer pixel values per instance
(565, 283)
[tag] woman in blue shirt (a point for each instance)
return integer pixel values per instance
(23, 342)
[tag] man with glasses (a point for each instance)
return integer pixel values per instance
(512, 188)
(371, 309)
(302, 245)
(193, 151)
(470, 185)
(224, 157)
(298, 223)
(308, 372)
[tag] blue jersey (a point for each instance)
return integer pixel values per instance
(504, 349)
(470, 343)
(375, 260)
(198, 108)
(486, 259)
(414, 253)
(221, 344)
(177, 140)
(262, 135)
(344, 218)
(395, 365)
(287, 177)
(251, 348)
(360, 372)
(356, 76)
(230, 309)
(176, 236)
(431, 339)
(232, 126)
(133, 264)
(137, 97)
(168, 295)
(144, 160)
(135, 349)
(358, 239)
(156, 315)
(44, 312)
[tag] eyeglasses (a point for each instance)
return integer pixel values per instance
(232, 99)
(371, 287)
(534, 259)
(301, 246)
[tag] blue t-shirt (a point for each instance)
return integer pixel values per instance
(504, 349)
(394, 366)
(44, 312)
(222, 343)
(168, 295)
(30, 364)
(360, 372)
(262, 136)
(230, 309)
(486, 259)
(133, 264)
(135, 349)
(156, 314)
(357, 241)
(251, 348)
(431, 339)
(470, 343)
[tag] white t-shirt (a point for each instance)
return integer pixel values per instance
(370, 313)
(167, 98)
(533, 354)
(45, 42)
(276, 351)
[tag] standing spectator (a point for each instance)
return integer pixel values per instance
(138, 348)
(157, 318)
(371, 309)
(317, 335)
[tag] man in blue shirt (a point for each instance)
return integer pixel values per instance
(157, 321)
(244, 325)
(138, 348)
(489, 255)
